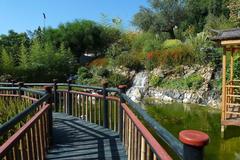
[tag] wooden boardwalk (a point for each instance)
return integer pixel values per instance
(75, 139)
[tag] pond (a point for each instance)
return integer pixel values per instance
(177, 117)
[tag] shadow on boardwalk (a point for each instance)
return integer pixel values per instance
(74, 139)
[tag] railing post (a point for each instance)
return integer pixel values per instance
(69, 98)
(120, 116)
(13, 85)
(193, 144)
(48, 90)
(55, 93)
(105, 104)
(20, 85)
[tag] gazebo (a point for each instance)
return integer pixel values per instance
(230, 41)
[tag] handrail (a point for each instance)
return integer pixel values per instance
(9, 88)
(104, 104)
(164, 134)
(17, 118)
(20, 133)
(5, 83)
(66, 84)
(41, 93)
(158, 149)
(33, 138)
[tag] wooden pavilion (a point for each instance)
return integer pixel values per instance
(230, 41)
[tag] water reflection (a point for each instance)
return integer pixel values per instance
(176, 117)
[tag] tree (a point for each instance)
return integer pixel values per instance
(7, 63)
(82, 36)
(23, 57)
(234, 7)
(163, 16)
(12, 43)
(197, 11)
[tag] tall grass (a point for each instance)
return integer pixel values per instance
(9, 107)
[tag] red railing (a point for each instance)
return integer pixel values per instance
(139, 142)
(111, 108)
(30, 141)
(27, 135)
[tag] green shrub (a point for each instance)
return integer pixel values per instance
(140, 40)
(123, 45)
(172, 44)
(103, 72)
(130, 61)
(203, 48)
(176, 56)
(151, 45)
(117, 79)
(155, 80)
(83, 75)
(191, 82)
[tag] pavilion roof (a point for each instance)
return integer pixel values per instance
(228, 34)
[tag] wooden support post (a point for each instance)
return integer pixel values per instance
(69, 98)
(193, 144)
(55, 87)
(231, 65)
(20, 85)
(223, 85)
(105, 104)
(48, 90)
(120, 116)
(13, 85)
(231, 99)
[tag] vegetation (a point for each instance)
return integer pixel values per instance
(170, 33)
(50, 53)
(193, 82)
(9, 109)
(95, 75)
(163, 16)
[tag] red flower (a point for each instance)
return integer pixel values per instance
(149, 55)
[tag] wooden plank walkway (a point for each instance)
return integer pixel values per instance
(75, 139)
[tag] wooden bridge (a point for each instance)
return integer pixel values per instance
(71, 121)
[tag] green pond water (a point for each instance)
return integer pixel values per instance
(177, 117)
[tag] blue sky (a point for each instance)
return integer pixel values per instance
(22, 15)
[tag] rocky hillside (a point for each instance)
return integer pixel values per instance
(186, 84)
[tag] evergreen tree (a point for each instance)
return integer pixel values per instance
(35, 53)
(23, 57)
(7, 62)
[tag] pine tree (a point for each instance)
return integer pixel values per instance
(7, 62)
(23, 57)
(35, 53)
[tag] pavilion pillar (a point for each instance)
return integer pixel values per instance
(231, 99)
(231, 65)
(223, 88)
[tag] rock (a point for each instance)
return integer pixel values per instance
(125, 72)
(187, 98)
(141, 89)
(190, 72)
(158, 72)
(166, 98)
(135, 94)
